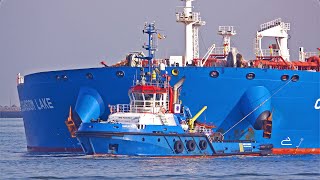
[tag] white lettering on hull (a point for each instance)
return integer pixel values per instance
(36, 104)
(317, 104)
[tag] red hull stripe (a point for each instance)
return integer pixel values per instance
(293, 151)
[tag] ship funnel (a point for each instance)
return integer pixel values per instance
(175, 89)
(89, 105)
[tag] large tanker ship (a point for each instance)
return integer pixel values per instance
(271, 99)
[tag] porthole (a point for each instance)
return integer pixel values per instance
(250, 76)
(120, 74)
(295, 78)
(158, 139)
(175, 72)
(143, 139)
(58, 77)
(89, 76)
(284, 77)
(214, 74)
(64, 77)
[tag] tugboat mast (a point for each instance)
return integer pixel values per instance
(149, 28)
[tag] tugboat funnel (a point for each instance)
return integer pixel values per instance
(89, 105)
(175, 89)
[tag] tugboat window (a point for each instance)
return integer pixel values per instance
(250, 76)
(89, 76)
(120, 74)
(284, 77)
(214, 74)
(295, 78)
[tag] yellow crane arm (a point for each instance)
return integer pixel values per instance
(194, 118)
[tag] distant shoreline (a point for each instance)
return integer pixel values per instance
(10, 114)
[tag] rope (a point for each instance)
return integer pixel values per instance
(257, 107)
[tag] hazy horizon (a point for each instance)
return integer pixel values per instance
(39, 35)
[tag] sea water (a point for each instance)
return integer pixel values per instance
(17, 163)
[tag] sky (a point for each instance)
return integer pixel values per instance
(46, 35)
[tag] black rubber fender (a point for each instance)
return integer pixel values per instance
(203, 144)
(191, 145)
(178, 147)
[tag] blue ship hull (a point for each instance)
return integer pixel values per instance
(45, 99)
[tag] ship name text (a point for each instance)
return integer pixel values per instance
(317, 104)
(36, 104)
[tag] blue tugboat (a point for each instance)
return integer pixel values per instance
(155, 123)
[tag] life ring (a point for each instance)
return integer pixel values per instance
(178, 147)
(175, 72)
(203, 144)
(191, 145)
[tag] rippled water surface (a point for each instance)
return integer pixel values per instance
(16, 162)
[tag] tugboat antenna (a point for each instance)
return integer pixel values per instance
(149, 28)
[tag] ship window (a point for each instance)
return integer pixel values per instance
(120, 74)
(113, 147)
(64, 77)
(284, 77)
(175, 72)
(138, 96)
(250, 76)
(295, 78)
(149, 100)
(148, 97)
(214, 74)
(58, 77)
(138, 99)
(89, 76)
(158, 97)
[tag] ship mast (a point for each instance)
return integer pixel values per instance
(192, 21)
